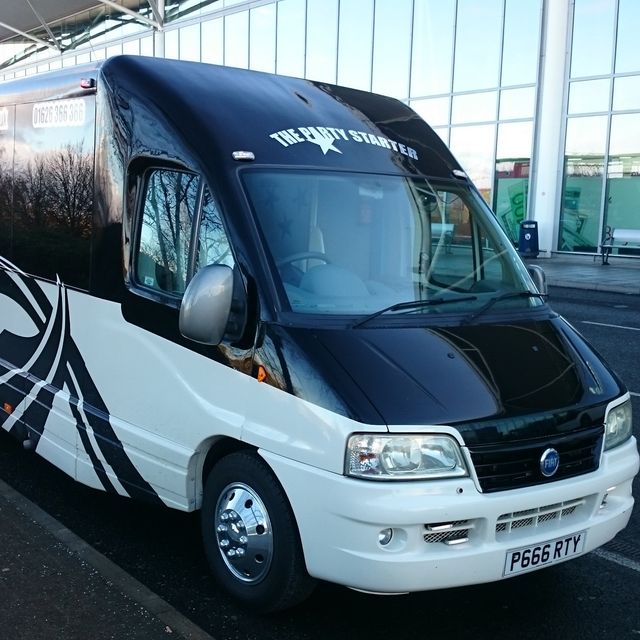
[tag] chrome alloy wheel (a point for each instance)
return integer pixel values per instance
(243, 532)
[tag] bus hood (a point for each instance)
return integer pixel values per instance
(495, 382)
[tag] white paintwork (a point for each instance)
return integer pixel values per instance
(58, 442)
(339, 521)
(167, 405)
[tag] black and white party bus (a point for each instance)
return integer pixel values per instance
(284, 303)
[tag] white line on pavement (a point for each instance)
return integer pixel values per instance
(614, 326)
(633, 393)
(618, 559)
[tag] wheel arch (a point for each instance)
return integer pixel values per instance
(211, 451)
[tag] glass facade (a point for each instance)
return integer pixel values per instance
(601, 184)
(471, 68)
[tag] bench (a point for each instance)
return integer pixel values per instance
(618, 238)
(445, 231)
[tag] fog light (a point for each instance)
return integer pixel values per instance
(384, 537)
(605, 498)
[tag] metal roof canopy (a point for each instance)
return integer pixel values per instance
(19, 17)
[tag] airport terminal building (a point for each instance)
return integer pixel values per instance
(538, 99)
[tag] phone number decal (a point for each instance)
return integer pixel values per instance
(59, 113)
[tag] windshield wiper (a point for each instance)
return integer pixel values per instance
(412, 304)
(502, 296)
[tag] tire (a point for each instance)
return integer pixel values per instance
(250, 535)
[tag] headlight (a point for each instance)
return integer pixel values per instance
(394, 457)
(618, 426)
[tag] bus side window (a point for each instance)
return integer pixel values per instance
(168, 214)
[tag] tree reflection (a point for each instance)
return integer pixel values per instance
(5, 183)
(56, 191)
(52, 214)
(5, 204)
(169, 209)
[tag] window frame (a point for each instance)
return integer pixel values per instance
(143, 178)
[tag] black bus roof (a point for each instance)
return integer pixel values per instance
(277, 120)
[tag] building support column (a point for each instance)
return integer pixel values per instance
(548, 151)
(158, 34)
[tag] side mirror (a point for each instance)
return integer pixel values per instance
(538, 277)
(206, 304)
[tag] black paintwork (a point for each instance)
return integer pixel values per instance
(152, 112)
(56, 85)
(190, 115)
(155, 111)
(212, 111)
(497, 382)
(46, 186)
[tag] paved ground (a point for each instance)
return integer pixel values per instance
(54, 585)
(622, 275)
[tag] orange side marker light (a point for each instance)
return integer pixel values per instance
(262, 374)
(8, 408)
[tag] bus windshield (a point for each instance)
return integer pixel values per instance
(361, 244)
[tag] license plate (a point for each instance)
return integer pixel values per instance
(544, 553)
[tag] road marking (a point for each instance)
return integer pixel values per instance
(633, 393)
(618, 559)
(613, 326)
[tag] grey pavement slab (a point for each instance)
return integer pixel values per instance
(622, 275)
(54, 585)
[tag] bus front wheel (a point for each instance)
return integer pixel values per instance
(250, 535)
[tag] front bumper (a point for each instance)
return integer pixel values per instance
(340, 520)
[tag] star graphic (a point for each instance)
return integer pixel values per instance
(326, 144)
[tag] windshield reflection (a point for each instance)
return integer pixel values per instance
(361, 244)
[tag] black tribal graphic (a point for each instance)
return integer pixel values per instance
(34, 369)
